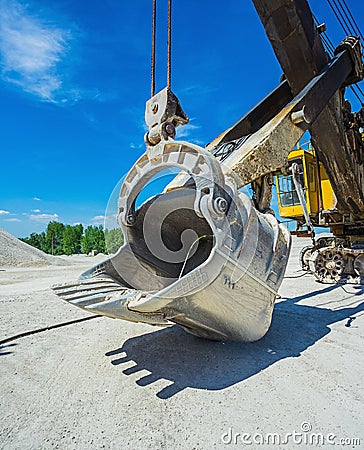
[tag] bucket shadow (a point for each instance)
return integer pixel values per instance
(186, 361)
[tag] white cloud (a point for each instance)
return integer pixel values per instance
(98, 218)
(186, 130)
(32, 49)
(36, 210)
(43, 217)
(13, 219)
(137, 146)
(36, 198)
(3, 212)
(196, 90)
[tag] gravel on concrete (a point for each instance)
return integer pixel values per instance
(110, 384)
(16, 253)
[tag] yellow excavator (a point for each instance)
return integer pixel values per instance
(319, 210)
(201, 253)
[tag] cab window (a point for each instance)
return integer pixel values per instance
(287, 191)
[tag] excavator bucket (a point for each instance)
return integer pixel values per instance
(198, 254)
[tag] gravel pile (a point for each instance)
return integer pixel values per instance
(16, 253)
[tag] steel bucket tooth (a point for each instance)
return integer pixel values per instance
(98, 292)
(198, 255)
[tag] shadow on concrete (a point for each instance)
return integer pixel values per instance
(186, 361)
(3, 350)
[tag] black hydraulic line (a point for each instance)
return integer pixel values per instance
(345, 19)
(41, 330)
(325, 38)
(354, 21)
(356, 94)
(330, 43)
(328, 46)
(258, 116)
(338, 18)
(359, 89)
(331, 50)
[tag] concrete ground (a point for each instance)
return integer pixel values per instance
(111, 384)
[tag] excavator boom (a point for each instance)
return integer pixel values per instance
(297, 44)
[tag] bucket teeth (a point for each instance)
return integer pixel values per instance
(81, 286)
(107, 297)
(115, 307)
(86, 302)
(111, 307)
(75, 295)
(87, 292)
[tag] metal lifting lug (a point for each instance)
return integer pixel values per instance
(163, 114)
(353, 46)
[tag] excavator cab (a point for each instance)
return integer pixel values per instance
(319, 194)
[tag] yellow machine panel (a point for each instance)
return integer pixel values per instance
(328, 196)
(317, 187)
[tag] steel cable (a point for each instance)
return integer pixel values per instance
(47, 328)
(169, 43)
(354, 21)
(154, 20)
(329, 46)
(337, 13)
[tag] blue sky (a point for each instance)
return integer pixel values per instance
(74, 79)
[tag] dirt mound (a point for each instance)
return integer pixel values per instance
(16, 253)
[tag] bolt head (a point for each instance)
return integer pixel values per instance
(131, 219)
(170, 129)
(221, 205)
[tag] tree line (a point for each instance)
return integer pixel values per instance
(61, 239)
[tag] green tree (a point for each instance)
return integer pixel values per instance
(71, 239)
(93, 240)
(54, 238)
(114, 239)
(36, 240)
